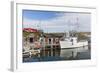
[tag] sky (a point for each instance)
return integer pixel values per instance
(53, 21)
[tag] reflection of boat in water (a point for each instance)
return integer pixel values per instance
(70, 46)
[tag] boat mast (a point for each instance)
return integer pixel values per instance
(77, 26)
(77, 23)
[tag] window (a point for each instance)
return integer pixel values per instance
(31, 40)
(49, 41)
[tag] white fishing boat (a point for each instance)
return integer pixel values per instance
(70, 46)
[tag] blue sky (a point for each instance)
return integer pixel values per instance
(51, 21)
(39, 15)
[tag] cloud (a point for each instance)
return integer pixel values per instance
(63, 22)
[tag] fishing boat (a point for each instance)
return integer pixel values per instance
(70, 46)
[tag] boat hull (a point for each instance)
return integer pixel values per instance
(70, 50)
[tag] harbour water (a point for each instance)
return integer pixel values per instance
(56, 57)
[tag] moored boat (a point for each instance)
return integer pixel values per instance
(70, 46)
